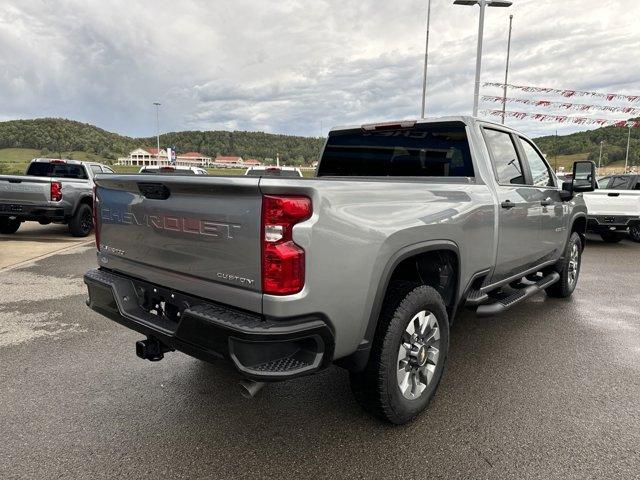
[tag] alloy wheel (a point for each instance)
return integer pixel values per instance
(418, 354)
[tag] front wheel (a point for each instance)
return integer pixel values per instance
(568, 268)
(9, 226)
(408, 354)
(634, 233)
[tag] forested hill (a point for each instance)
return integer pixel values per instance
(54, 135)
(614, 148)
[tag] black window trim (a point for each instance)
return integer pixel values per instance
(524, 168)
(522, 138)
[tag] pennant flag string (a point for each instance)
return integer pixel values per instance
(567, 106)
(543, 117)
(567, 93)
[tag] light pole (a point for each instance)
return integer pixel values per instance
(506, 71)
(600, 157)
(482, 4)
(157, 104)
(626, 159)
(426, 58)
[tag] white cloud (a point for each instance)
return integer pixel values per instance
(287, 66)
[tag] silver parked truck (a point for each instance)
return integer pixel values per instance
(364, 266)
(51, 191)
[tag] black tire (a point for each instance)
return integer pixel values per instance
(611, 237)
(9, 226)
(377, 388)
(634, 233)
(81, 223)
(564, 287)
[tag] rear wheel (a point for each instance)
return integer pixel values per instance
(408, 354)
(610, 237)
(634, 233)
(9, 226)
(568, 268)
(81, 223)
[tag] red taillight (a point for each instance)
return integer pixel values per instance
(56, 191)
(95, 217)
(282, 259)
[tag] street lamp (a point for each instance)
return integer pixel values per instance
(157, 104)
(482, 4)
(426, 58)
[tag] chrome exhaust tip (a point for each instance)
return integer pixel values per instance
(249, 388)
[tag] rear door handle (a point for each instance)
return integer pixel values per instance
(507, 204)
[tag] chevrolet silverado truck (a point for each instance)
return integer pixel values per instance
(614, 208)
(363, 266)
(51, 191)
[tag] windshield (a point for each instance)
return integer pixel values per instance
(273, 172)
(167, 171)
(425, 150)
(61, 170)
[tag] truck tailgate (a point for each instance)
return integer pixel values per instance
(613, 202)
(25, 190)
(199, 234)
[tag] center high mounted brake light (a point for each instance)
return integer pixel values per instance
(282, 259)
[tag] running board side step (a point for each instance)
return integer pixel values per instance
(517, 297)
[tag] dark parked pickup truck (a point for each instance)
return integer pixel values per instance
(52, 190)
(364, 266)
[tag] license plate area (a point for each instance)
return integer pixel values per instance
(165, 305)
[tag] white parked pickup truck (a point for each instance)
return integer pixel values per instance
(614, 208)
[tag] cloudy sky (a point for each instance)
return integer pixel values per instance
(296, 66)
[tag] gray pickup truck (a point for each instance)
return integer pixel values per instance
(364, 266)
(52, 190)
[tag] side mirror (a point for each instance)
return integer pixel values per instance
(584, 177)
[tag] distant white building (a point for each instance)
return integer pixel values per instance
(144, 157)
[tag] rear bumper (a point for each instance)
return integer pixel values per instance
(611, 223)
(32, 212)
(261, 349)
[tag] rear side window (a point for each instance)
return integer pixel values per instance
(95, 168)
(61, 170)
(425, 150)
(504, 157)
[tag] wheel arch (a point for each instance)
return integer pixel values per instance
(579, 225)
(399, 266)
(412, 263)
(84, 200)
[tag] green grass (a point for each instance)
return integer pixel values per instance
(565, 161)
(15, 160)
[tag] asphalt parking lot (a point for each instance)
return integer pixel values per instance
(549, 390)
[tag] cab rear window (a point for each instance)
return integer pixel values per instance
(60, 170)
(424, 150)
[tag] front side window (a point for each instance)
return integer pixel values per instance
(618, 183)
(539, 170)
(504, 157)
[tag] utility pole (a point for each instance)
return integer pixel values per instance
(626, 159)
(555, 161)
(426, 60)
(506, 71)
(157, 104)
(600, 157)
